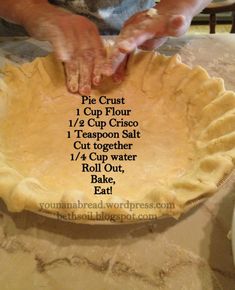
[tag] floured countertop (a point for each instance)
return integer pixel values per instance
(193, 253)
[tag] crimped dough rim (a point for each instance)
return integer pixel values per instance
(213, 126)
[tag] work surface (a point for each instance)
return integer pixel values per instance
(192, 253)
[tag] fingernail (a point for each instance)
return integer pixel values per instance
(96, 80)
(85, 90)
(73, 88)
(72, 83)
(117, 79)
(108, 71)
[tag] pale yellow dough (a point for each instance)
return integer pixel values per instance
(186, 147)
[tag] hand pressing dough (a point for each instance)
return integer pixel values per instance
(186, 149)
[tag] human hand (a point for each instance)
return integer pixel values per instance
(145, 32)
(76, 42)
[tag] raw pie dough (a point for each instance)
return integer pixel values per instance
(187, 122)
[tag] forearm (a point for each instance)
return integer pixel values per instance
(17, 11)
(184, 7)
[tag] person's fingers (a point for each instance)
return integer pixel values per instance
(131, 43)
(114, 61)
(77, 44)
(122, 48)
(72, 75)
(99, 59)
(131, 38)
(118, 77)
(98, 67)
(160, 27)
(136, 18)
(86, 65)
(153, 44)
(90, 53)
(97, 72)
(92, 42)
(63, 44)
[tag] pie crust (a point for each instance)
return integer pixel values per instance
(186, 149)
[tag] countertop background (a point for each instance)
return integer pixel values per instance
(193, 253)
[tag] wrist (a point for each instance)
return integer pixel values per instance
(16, 11)
(32, 11)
